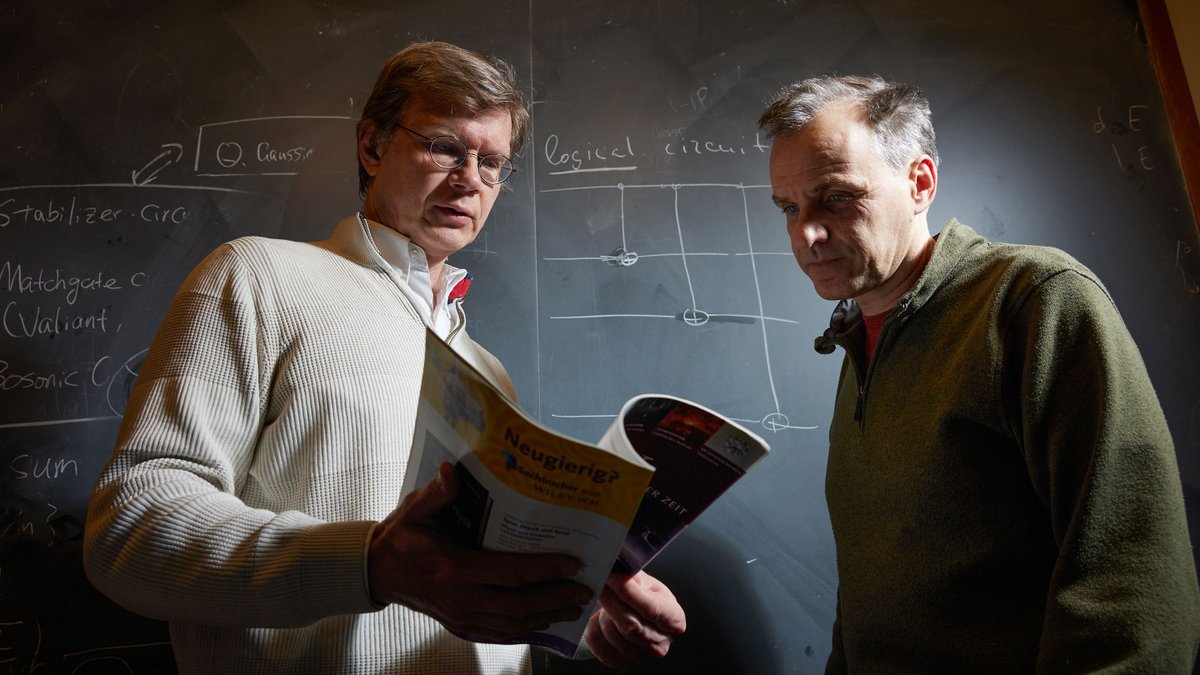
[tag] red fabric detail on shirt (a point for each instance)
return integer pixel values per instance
(874, 326)
(460, 289)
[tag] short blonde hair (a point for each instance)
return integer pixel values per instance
(444, 77)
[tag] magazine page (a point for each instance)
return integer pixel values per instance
(697, 455)
(523, 487)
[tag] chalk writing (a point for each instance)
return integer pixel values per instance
(22, 644)
(28, 524)
(579, 160)
(696, 99)
(695, 146)
(36, 322)
(110, 377)
(16, 279)
(1119, 127)
(26, 466)
(171, 154)
(154, 213)
(11, 655)
(72, 212)
(265, 153)
(32, 379)
(620, 257)
(1133, 160)
(262, 146)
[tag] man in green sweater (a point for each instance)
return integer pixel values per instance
(1001, 481)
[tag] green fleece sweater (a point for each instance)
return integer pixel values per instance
(1002, 484)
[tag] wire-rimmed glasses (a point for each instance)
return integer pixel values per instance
(449, 152)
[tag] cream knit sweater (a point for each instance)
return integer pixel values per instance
(268, 430)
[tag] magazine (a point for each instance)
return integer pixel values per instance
(525, 488)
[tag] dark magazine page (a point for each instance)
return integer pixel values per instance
(697, 456)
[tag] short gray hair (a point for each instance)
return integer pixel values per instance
(897, 113)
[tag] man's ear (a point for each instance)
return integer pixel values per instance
(370, 146)
(922, 178)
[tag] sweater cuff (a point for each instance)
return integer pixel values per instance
(334, 561)
(366, 567)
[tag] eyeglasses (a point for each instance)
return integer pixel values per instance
(449, 153)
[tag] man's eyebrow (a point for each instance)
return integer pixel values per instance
(442, 132)
(837, 182)
(816, 188)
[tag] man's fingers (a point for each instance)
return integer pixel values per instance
(501, 627)
(484, 568)
(598, 642)
(611, 647)
(557, 598)
(647, 601)
(425, 502)
(512, 570)
(413, 562)
(617, 634)
(633, 628)
(639, 618)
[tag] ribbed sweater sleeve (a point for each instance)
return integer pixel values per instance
(167, 535)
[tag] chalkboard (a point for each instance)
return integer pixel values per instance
(637, 249)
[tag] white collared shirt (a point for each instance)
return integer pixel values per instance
(410, 263)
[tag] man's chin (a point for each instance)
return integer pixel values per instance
(828, 291)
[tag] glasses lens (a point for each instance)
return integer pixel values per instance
(447, 152)
(495, 168)
(450, 153)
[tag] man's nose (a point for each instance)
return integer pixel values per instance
(466, 176)
(808, 233)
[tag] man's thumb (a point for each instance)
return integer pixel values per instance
(426, 502)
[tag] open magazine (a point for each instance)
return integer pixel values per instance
(527, 489)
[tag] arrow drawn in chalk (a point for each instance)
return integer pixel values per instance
(171, 154)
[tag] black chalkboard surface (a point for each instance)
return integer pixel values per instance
(637, 250)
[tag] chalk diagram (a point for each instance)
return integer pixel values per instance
(695, 313)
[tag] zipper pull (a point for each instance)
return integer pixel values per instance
(858, 406)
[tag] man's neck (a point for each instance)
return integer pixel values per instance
(900, 283)
(437, 278)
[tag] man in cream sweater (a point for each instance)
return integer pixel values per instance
(250, 500)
